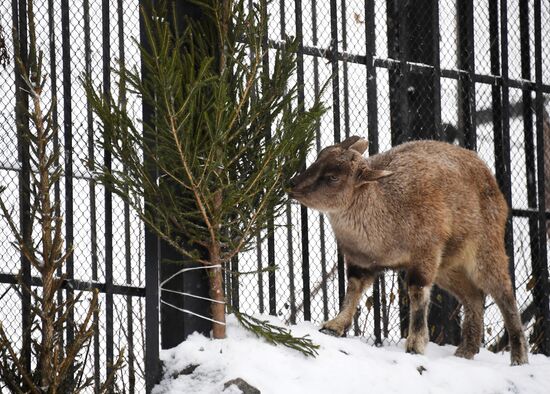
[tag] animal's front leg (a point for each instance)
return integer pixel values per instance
(420, 279)
(419, 299)
(358, 280)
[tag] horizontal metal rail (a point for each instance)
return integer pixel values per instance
(420, 68)
(80, 285)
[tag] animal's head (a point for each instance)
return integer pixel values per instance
(340, 171)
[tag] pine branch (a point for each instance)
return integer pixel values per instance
(221, 175)
(276, 335)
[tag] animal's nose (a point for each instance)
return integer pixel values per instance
(292, 182)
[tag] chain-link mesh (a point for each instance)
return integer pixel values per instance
(472, 73)
(75, 38)
(441, 72)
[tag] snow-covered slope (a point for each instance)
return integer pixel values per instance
(344, 365)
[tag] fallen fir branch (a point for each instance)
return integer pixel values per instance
(276, 335)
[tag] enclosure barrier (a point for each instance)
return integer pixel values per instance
(472, 73)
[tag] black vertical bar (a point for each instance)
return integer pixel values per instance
(384, 301)
(303, 210)
(322, 239)
(540, 270)
(531, 176)
(68, 149)
(290, 240)
(421, 45)
(437, 70)
(403, 40)
(335, 73)
(424, 122)
(92, 190)
(527, 111)
(466, 84)
(505, 147)
(527, 108)
(282, 20)
(235, 282)
(336, 124)
(495, 90)
(152, 258)
(175, 326)
(403, 124)
(127, 235)
(227, 285)
(372, 110)
(345, 68)
(19, 15)
(270, 225)
(396, 33)
(291, 278)
(109, 335)
(259, 258)
(500, 100)
(271, 264)
(324, 276)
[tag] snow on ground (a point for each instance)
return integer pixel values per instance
(344, 365)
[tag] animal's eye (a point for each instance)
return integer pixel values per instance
(333, 178)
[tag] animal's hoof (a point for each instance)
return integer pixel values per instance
(412, 350)
(328, 331)
(415, 345)
(519, 361)
(465, 353)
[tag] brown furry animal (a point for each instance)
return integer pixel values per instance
(428, 207)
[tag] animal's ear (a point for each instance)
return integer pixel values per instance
(367, 175)
(355, 143)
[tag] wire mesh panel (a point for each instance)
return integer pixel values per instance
(470, 73)
(473, 73)
(77, 38)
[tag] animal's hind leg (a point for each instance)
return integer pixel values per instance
(504, 298)
(358, 280)
(495, 280)
(472, 300)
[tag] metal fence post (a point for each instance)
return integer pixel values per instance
(176, 326)
(152, 292)
(540, 267)
(415, 114)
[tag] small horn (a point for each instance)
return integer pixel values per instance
(349, 141)
(360, 145)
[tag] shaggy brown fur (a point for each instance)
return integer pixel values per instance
(428, 207)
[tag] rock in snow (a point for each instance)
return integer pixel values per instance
(344, 365)
(241, 385)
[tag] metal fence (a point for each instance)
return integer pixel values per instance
(475, 73)
(76, 37)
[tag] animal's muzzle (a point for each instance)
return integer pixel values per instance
(292, 183)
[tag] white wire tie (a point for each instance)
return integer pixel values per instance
(188, 269)
(192, 313)
(192, 295)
